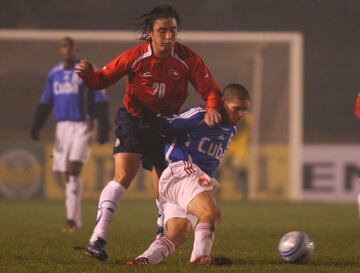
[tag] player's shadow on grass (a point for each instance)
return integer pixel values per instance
(216, 261)
(342, 263)
(255, 262)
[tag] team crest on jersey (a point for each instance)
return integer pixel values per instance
(117, 142)
(173, 74)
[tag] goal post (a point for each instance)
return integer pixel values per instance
(269, 64)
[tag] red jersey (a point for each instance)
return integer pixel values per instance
(161, 85)
(357, 106)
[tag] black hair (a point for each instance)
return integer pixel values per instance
(235, 90)
(146, 21)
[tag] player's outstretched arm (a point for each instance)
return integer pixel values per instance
(206, 86)
(84, 68)
(179, 124)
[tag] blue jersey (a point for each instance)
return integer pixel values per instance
(194, 140)
(69, 95)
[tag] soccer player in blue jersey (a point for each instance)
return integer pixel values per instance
(186, 186)
(75, 108)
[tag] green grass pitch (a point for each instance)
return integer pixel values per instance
(31, 240)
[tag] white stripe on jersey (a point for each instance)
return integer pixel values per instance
(171, 148)
(181, 61)
(191, 112)
(227, 129)
(145, 55)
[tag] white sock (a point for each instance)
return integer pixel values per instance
(159, 250)
(109, 199)
(204, 237)
(72, 197)
(160, 218)
(78, 203)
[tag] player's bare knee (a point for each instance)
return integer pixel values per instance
(179, 233)
(178, 238)
(209, 214)
(124, 177)
(207, 217)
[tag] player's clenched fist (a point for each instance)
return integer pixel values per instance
(84, 67)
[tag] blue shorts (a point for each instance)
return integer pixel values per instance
(140, 135)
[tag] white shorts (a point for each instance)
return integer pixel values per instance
(171, 210)
(72, 143)
(179, 183)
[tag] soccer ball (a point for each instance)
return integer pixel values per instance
(296, 247)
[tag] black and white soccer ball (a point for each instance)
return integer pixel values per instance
(296, 247)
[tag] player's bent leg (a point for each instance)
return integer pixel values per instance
(156, 252)
(204, 207)
(179, 187)
(204, 235)
(178, 229)
(160, 220)
(160, 216)
(126, 166)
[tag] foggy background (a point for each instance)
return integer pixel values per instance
(331, 46)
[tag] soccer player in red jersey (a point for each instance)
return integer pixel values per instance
(159, 71)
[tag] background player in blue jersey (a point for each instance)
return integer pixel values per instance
(75, 108)
(186, 186)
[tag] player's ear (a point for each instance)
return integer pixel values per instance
(222, 100)
(151, 34)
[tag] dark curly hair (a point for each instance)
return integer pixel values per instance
(146, 21)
